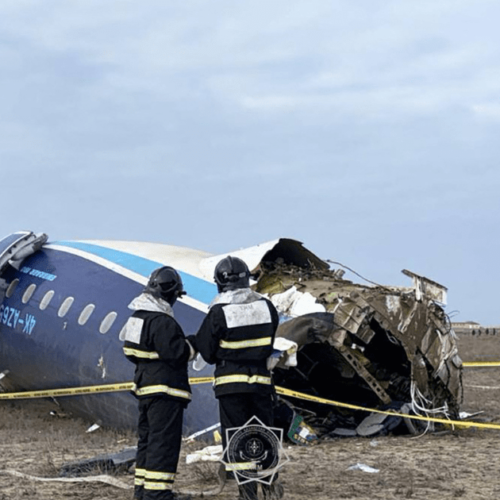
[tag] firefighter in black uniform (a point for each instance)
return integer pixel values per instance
(237, 336)
(156, 344)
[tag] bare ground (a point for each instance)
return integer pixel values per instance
(446, 465)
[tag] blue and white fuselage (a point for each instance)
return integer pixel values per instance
(63, 311)
(65, 303)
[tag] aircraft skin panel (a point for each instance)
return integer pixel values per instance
(199, 291)
(57, 352)
(252, 257)
(183, 258)
(129, 272)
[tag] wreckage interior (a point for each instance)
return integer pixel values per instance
(371, 346)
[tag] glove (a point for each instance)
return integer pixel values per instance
(190, 341)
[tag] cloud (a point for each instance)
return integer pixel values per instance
(362, 126)
(489, 111)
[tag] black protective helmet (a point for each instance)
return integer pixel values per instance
(166, 284)
(231, 273)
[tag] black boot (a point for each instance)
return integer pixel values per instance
(247, 491)
(181, 496)
(273, 491)
(170, 495)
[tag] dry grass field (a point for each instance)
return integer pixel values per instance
(448, 464)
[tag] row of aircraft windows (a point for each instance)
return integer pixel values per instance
(87, 311)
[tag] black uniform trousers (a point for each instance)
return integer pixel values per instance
(235, 411)
(158, 448)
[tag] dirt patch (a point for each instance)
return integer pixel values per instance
(445, 465)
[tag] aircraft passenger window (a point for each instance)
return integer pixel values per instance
(85, 314)
(107, 322)
(44, 303)
(28, 293)
(65, 306)
(11, 288)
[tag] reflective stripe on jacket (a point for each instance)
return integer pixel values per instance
(238, 339)
(155, 343)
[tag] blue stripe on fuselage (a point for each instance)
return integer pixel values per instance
(196, 288)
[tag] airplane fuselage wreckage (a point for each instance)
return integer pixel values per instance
(365, 347)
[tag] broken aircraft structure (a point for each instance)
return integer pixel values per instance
(377, 347)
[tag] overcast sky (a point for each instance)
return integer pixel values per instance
(368, 130)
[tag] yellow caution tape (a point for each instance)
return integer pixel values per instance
(308, 397)
(76, 391)
(96, 389)
(469, 364)
(93, 389)
(70, 391)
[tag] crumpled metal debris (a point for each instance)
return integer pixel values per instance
(111, 462)
(369, 345)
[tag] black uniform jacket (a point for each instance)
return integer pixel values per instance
(238, 339)
(161, 357)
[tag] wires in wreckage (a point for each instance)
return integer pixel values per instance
(357, 274)
(422, 406)
(449, 328)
